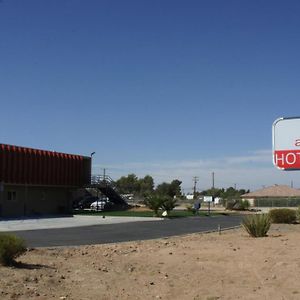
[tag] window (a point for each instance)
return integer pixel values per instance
(44, 194)
(11, 195)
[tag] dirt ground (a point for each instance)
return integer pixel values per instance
(198, 266)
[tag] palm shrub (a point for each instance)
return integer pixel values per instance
(283, 215)
(11, 247)
(257, 225)
(154, 202)
(168, 204)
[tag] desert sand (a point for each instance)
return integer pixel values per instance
(197, 266)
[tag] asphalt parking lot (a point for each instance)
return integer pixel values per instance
(123, 232)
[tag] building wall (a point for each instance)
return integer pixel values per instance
(22, 200)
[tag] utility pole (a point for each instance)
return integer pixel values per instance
(195, 179)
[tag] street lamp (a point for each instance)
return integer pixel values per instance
(91, 163)
(96, 179)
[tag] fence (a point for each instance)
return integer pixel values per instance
(277, 202)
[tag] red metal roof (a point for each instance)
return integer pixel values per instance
(44, 152)
(23, 165)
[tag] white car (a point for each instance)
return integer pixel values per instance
(98, 205)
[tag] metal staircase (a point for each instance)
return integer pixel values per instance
(107, 186)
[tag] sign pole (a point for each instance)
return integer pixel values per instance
(208, 199)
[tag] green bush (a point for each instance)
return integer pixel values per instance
(237, 204)
(11, 247)
(257, 225)
(245, 204)
(283, 215)
(230, 204)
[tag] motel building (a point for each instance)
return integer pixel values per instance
(36, 182)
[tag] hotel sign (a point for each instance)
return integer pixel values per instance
(286, 143)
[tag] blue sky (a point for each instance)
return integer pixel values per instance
(175, 89)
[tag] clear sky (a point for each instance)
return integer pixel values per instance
(171, 88)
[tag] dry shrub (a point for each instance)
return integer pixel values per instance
(257, 225)
(11, 246)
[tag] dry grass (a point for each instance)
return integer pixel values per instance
(198, 266)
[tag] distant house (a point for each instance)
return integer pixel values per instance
(190, 196)
(274, 196)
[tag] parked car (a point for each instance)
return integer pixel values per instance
(98, 205)
(86, 202)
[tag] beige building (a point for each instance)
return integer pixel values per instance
(274, 196)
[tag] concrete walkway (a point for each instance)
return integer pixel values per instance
(65, 222)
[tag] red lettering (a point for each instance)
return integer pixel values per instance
(287, 159)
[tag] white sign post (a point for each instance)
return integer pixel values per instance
(208, 199)
(286, 143)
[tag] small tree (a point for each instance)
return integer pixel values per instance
(146, 185)
(169, 189)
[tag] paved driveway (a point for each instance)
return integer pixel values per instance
(111, 233)
(64, 222)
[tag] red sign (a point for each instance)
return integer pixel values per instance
(287, 159)
(286, 143)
